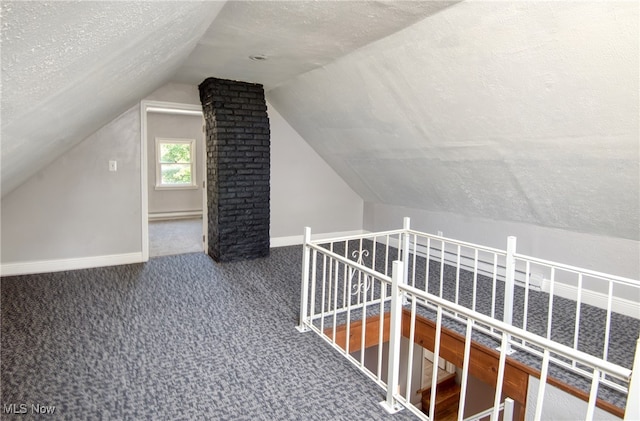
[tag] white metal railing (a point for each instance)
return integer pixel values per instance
(512, 285)
(506, 407)
(347, 280)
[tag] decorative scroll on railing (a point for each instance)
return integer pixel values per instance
(490, 294)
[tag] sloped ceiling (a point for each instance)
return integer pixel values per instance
(516, 111)
(513, 111)
(70, 67)
(294, 36)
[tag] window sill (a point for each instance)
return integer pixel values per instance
(189, 187)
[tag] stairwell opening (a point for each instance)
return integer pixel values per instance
(480, 394)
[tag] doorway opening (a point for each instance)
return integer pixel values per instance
(174, 194)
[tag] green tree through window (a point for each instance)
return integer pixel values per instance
(175, 162)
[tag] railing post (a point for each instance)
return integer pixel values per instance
(406, 240)
(632, 412)
(509, 284)
(406, 226)
(507, 413)
(390, 404)
(304, 292)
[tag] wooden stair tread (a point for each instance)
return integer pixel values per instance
(444, 379)
(449, 414)
(444, 395)
(447, 399)
(449, 379)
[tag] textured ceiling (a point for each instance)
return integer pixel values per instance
(513, 111)
(70, 67)
(294, 36)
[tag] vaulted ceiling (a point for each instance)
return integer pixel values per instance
(515, 111)
(294, 36)
(68, 68)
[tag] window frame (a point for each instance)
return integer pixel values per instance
(192, 146)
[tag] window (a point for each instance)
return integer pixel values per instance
(176, 163)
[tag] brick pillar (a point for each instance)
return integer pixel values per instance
(238, 169)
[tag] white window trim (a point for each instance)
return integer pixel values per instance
(194, 182)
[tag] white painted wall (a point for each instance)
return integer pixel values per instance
(175, 127)
(75, 213)
(176, 92)
(75, 207)
(305, 191)
(559, 405)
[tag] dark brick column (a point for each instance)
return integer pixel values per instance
(238, 169)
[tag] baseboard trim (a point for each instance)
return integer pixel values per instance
(45, 266)
(173, 215)
(597, 299)
(297, 239)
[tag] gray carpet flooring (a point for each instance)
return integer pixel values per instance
(177, 236)
(177, 338)
(182, 337)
